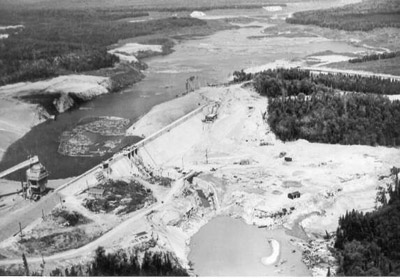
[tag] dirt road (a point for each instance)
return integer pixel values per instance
(10, 222)
(119, 231)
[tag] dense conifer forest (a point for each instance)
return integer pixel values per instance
(316, 108)
(330, 117)
(369, 244)
(363, 16)
(291, 82)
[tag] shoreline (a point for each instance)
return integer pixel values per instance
(276, 250)
(132, 73)
(281, 259)
(161, 115)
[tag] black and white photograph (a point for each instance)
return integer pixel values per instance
(202, 138)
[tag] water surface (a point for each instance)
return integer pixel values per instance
(229, 247)
(212, 58)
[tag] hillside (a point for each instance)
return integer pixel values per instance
(368, 243)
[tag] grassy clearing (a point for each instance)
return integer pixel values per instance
(62, 230)
(55, 242)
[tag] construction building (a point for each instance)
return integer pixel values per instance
(36, 178)
(96, 192)
(294, 195)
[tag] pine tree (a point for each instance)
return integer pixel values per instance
(26, 267)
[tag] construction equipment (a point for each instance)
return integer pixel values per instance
(210, 117)
(213, 113)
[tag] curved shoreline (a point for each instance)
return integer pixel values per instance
(276, 250)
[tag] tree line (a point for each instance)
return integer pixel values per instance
(113, 264)
(336, 118)
(315, 108)
(55, 42)
(375, 56)
(369, 244)
(293, 81)
(363, 16)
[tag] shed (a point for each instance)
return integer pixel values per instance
(96, 192)
(140, 234)
(288, 159)
(294, 195)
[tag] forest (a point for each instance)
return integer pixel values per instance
(336, 118)
(375, 56)
(369, 244)
(112, 264)
(315, 108)
(363, 16)
(291, 82)
(55, 42)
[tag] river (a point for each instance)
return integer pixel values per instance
(212, 58)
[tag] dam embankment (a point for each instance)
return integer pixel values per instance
(137, 159)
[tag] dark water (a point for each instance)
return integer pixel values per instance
(212, 58)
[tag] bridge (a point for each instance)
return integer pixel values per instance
(31, 161)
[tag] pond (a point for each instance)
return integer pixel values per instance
(229, 247)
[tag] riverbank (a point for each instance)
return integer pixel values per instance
(243, 171)
(165, 113)
(27, 104)
(252, 180)
(206, 59)
(242, 178)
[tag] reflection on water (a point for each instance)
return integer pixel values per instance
(213, 59)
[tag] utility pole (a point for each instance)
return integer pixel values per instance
(43, 214)
(23, 189)
(20, 230)
(206, 156)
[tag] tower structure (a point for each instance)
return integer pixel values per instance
(36, 178)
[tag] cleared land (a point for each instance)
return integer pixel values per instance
(244, 174)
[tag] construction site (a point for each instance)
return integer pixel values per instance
(214, 155)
